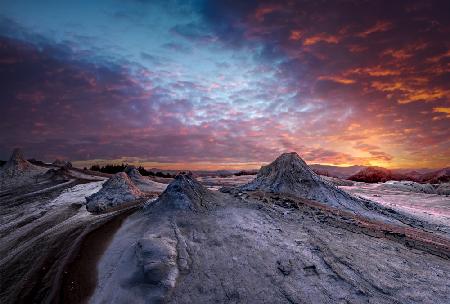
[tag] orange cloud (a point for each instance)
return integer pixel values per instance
(442, 110)
(380, 26)
(423, 95)
(397, 54)
(323, 37)
(439, 57)
(406, 52)
(376, 71)
(410, 91)
(262, 11)
(354, 48)
(296, 35)
(337, 79)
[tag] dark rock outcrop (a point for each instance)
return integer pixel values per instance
(116, 191)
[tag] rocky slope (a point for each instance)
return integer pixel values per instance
(116, 191)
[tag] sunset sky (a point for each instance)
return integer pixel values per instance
(226, 84)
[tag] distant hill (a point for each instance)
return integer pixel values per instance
(335, 171)
(436, 177)
(378, 174)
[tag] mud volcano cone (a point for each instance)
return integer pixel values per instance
(116, 191)
(17, 164)
(185, 193)
(62, 163)
(143, 183)
(289, 174)
(133, 173)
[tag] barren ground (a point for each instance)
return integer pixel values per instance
(247, 247)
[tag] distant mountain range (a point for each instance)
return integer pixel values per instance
(379, 174)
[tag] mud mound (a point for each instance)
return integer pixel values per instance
(133, 173)
(443, 189)
(62, 163)
(185, 193)
(17, 165)
(143, 183)
(116, 191)
(408, 186)
(60, 174)
(337, 181)
(18, 172)
(289, 174)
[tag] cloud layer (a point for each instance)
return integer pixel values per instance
(230, 82)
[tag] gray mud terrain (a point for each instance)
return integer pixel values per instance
(255, 247)
(237, 245)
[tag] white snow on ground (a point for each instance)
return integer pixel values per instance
(429, 207)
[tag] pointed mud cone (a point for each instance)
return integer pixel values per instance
(17, 164)
(133, 173)
(289, 174)
(62, 163)
(116, 191)
(142, 182)
(185, 193)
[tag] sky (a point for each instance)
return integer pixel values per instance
(215, 84)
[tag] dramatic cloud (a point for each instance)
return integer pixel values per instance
(232, 83)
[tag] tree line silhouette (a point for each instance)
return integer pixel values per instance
(113, 169)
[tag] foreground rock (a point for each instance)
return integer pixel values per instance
(117, 191)
(144, 184)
